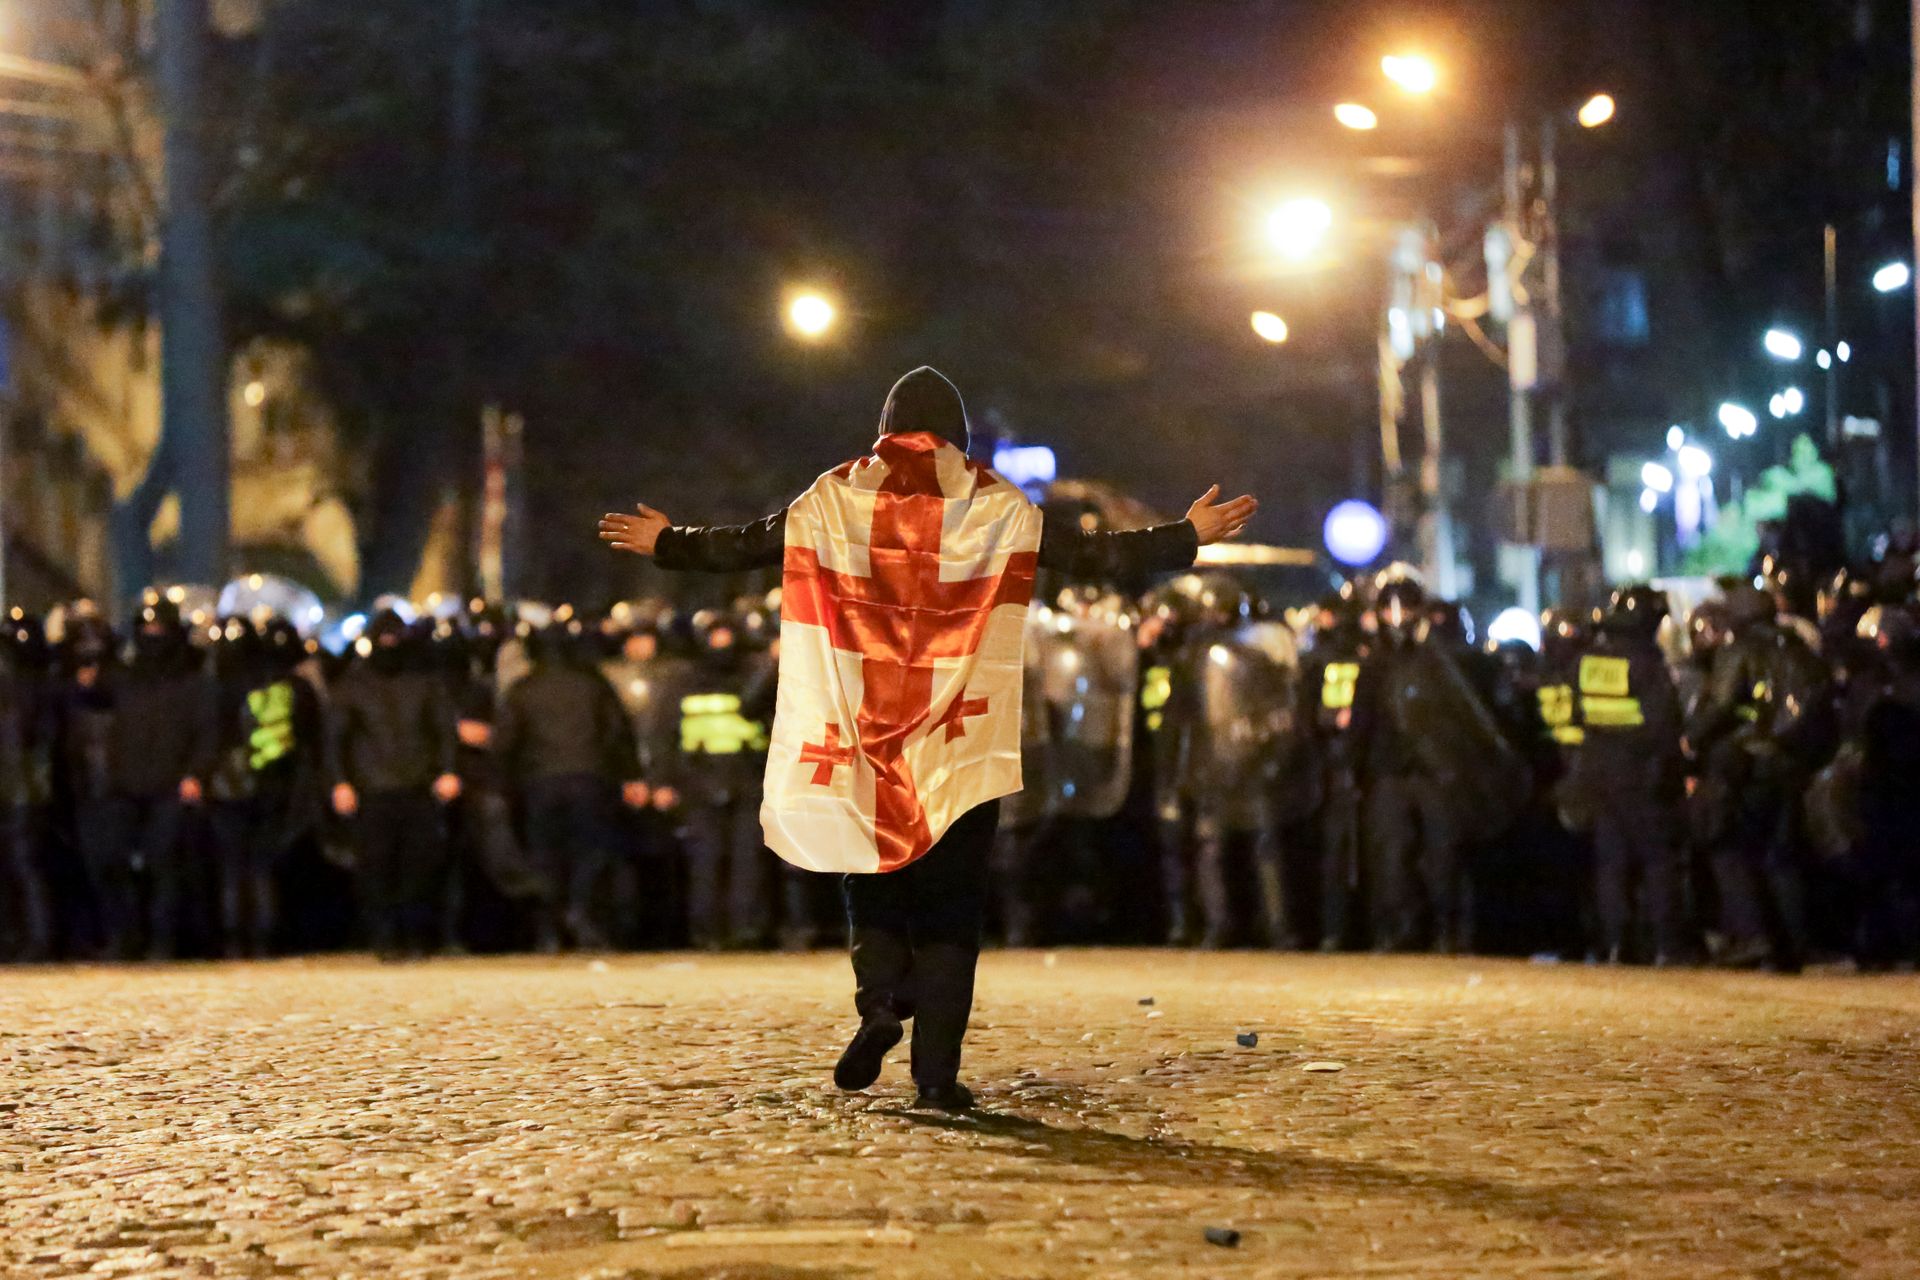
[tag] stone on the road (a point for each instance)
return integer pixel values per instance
(674, 1117)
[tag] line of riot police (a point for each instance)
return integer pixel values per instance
(1199, 772)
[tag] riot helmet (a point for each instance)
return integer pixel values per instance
(1636, 611)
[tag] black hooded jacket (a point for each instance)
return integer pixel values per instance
(925, 401)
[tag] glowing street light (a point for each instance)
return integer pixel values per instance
(810, 315)
(1297, 227)
(1676, 436)
(1738, 421)
(1793, 400)
(1656, 477)
(1782, 345)
(1649, 501)
(1411, 72)
(1695, 463)
(1892, 277)
(1355, 116)
(1270, 327)
(1844, 351)
(1777, 406)
(1596, 111)
(1823, 358)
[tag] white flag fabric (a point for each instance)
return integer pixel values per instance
(903, 612)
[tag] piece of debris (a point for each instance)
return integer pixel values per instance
(1225, 1237)
(1145, 1001)
(1154, 1014)
(1248, 1039)
(1325, 1066)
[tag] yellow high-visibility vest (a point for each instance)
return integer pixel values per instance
(711, 724)
(1337, 685)
(1606, 694)
(1154, 693)
(1556, 712)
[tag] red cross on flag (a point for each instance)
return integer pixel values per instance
(904, 605)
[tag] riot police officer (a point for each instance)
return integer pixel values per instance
(391, 750)
(161, 744)
(268, 742)
(1764, 723)
(1328, 682)
(1884, 861)
(566, 748)
(652, 672)
(26, 905)
(720, 767)
(1630, 773)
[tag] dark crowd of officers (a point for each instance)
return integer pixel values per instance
(1727, 787)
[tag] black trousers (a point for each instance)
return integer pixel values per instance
(26, 904)
(403, 868)
(569, 833)
(1757, 867)
(916, 939)
(119, 838)
(729, 873)
(1413, 855)
(1633, 848)
(251, 834)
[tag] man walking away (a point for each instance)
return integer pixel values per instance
(885, 765)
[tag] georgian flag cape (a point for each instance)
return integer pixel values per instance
(903, 613)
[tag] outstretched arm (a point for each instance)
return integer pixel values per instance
(1080, 554)
(715, 549)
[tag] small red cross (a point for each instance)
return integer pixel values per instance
(827, 756)
(957, 712)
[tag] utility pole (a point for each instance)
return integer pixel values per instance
(1831, 259)
(1521, 557)
(1913, 185)
(193, 358)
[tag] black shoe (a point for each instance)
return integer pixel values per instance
(859, 1066)
(954, 1097)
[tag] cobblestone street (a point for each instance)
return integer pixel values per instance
(672, 1116)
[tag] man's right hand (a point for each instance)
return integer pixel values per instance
(346, 802)
(634, 534)
(665, 798)
(1218, 521)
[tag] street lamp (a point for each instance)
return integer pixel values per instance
(1270, 327)
(1596, 111)
(1736, 418)
(1297, 227)
(1356, 116)
(1695, 463)
(1656, 477)
(1782, 345)
(810, 315)
(1411, 72)
(1892, 278)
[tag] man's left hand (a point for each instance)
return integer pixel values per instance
(190, 792)
(1216, 521)
(636, 795)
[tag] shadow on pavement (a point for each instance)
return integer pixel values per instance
(1581, 1209)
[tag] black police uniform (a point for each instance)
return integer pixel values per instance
(719, 773)
(1327, 688)
(390, 735)
(1629, 772)
(564, 744)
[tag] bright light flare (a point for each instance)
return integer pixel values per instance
(1515, 624)
(1596, 111)
(1695, 463)
(1793, 400)
(1738, 421)
(1824, 359)
(1649, 501)
(1356, 116)
(1844, 351)
(811, 315)
(1893, 277)
(1298, 227)
(1676, 436)
(1656, 477)
(1782, 345)
(1270, 327)
(256, 393)
(1411, 72)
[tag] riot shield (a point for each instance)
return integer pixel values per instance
(1459, 743)
(1088, 671)
(1242, 718)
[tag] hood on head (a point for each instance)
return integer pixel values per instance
(925, 401)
